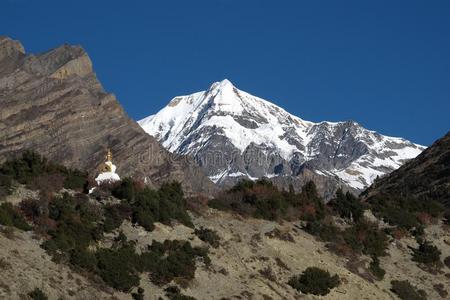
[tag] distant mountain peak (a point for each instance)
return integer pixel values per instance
(220, 85)
(233, 134)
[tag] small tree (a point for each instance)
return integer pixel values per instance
(347, 206)
(405, 291)
(37, 294)
(9, 216)
(375, 268)
(314, 281)
(209, 236)
(139, 295)
(447, 261)
(427, 254)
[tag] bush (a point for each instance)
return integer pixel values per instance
(325, 231)
(126, 190)
(9, 216)
(32, 209)
(427, 254)
(347, 206)
(375, 269)
(314, 281)
(76, 226)
(75, 180)
(149, 206)
(447, 261)
(367, 238)
(262, 199)
(5, 185)
(174, 293)
(118, 268)
(405, 291)
(37, 294)
(209, 236)
(84, 259)
(139, 295)
(403, 210)
(31, 169)
(114, 215)
(172, 259)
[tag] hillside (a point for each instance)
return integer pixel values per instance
(425, 177)
(126, 241)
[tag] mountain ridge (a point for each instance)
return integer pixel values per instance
(53, 103)
(223, 128)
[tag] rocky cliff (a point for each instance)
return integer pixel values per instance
(54, 104)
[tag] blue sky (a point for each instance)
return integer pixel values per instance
(384, 64)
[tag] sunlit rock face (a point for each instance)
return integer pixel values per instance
(53, 103)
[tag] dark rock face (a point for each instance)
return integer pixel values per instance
(54, 104)
(427, 176)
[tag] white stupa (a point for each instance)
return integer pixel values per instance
(107, 171)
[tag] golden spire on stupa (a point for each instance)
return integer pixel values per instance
(107, 166)
(107, 170)
(109, 155)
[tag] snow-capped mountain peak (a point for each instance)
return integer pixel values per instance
(233, 134)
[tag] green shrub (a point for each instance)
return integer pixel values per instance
(30, 166)
(5, 185)
(76, 225)
(262, 199)
(83, 259)
(447, 261)
(375, 269)
(402, 210)
(172, 259)
(427, 254)
(139, 295)
(9, 216)
(114, 215)
(126, 190)
(405, 291)
(347, 206)
(145, 219)
(149, 206)
(23, 169)
(314, 281)
(365, 237)
(209, 236)
(174, 293)
(325, 231)
(37, 294)
(75, 180)
(118, 267)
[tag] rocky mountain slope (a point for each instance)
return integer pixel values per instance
(232, 134)
(427, 176)
(53, 103)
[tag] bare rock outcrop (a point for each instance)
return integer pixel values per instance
(53, 103)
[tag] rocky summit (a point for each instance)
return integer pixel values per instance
(234, 135)
(52, 103)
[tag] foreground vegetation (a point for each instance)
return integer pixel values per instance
(73, 225)
(314, 281)
(262, 199)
